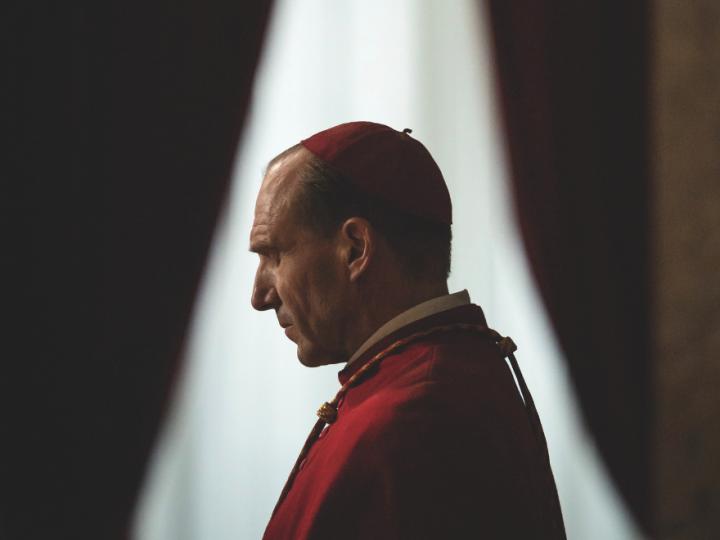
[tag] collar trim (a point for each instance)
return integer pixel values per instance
(420, 311)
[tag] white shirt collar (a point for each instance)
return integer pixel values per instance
(420, 311)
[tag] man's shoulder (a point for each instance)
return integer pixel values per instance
(452, 358)
(458, 375)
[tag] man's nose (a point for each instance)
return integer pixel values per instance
(264, 295)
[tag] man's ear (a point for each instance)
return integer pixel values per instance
(359, 239)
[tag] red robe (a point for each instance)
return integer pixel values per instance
(435, 442)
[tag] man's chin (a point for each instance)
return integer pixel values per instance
(311, 357)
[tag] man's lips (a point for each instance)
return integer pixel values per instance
(285, 325)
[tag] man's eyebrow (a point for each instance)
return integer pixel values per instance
(260, 247)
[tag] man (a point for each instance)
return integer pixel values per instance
(429, 437)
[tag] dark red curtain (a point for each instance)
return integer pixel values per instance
(573, 80)
(124, 119)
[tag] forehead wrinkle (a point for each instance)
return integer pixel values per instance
(271, 220)
(281, 196)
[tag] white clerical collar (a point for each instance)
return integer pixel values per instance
(422, 310)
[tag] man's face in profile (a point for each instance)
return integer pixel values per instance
(299, 274)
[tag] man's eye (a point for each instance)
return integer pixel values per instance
(270, 256)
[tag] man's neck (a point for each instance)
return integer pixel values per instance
(379, 308)
(419, 311)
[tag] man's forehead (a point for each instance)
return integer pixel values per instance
(287, 164)
(276, 193)
(281, 179)
(263, 231)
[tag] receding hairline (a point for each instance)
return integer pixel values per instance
(281, 156)
(286, 191)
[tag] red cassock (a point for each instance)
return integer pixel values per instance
(435, 442)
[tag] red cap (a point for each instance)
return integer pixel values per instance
(388, 164)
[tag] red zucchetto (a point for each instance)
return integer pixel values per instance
(387, 164)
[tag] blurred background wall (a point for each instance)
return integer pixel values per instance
(686, 243)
